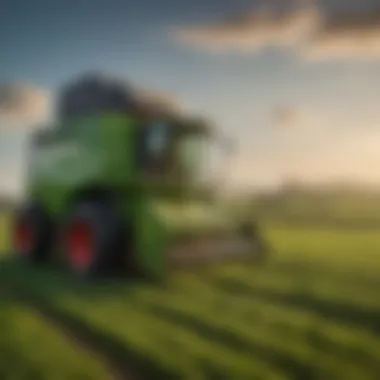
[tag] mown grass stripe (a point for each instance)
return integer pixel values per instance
(295, 358)
(157, 348)
(360, 315)
(32, 349)
(188, 345)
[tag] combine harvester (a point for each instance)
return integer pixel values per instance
(118, 183)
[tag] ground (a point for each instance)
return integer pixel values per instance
(311, 312)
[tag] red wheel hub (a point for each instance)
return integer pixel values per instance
(23, 237)
(80, 245)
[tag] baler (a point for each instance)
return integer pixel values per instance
(113, 187)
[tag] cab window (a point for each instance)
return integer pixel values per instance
(154, 148)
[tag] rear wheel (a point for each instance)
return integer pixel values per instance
(32, 235)
(92, 239)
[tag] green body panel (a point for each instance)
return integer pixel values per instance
(94, 150)
(152, 239)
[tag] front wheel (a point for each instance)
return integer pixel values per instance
(92, 239)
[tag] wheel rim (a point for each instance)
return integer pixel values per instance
(23, 238)
(80, 245)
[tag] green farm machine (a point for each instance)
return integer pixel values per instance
(120, 184)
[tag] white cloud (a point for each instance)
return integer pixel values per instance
(253, 30)
(347, 36)
(309, 30)
(288, 116)
(22, 105)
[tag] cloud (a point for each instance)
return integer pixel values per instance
(22, 104)
(285, 116)
(253, 30)
(312, 33)
(347, 36)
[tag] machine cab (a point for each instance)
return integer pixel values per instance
(174, 150)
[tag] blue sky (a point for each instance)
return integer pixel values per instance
(333, 132)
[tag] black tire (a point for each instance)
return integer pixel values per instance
(32, 235)
(105, 239)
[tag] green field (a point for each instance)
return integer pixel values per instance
(311, 312)
(32, 348)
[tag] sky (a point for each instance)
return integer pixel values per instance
(295, 83)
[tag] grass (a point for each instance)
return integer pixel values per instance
(311, 312)
(32, 349)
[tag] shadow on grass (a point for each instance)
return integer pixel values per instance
(42, 288)
(294, 366)
(365, 317)
(53, 281)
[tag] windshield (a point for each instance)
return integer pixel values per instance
(193, 155)
(154, 148)
(162, 153)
